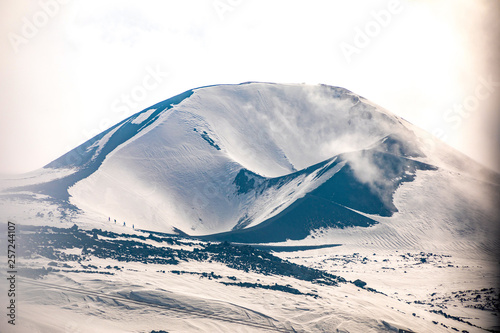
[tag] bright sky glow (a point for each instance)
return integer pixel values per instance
(70, 69)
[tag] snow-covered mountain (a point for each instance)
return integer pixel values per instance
(260, 162)
(292, 169)
(186, 166)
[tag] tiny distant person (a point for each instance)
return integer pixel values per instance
(123, 223)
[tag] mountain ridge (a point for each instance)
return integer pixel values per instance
(227, 158)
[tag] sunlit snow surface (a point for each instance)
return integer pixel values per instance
(266, 163)
(175, 166)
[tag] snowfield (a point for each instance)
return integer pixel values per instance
(143, 227)
(97, 290)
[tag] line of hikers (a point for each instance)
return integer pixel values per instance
(124, 224)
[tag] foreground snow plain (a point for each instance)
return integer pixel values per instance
(74, 290)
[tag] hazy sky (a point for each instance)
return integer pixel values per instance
(70, 69)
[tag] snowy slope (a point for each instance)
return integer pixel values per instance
(180, 171)
(267, 163)
(97, 281)
(257, 163)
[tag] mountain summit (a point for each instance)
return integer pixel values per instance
(262, 162)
